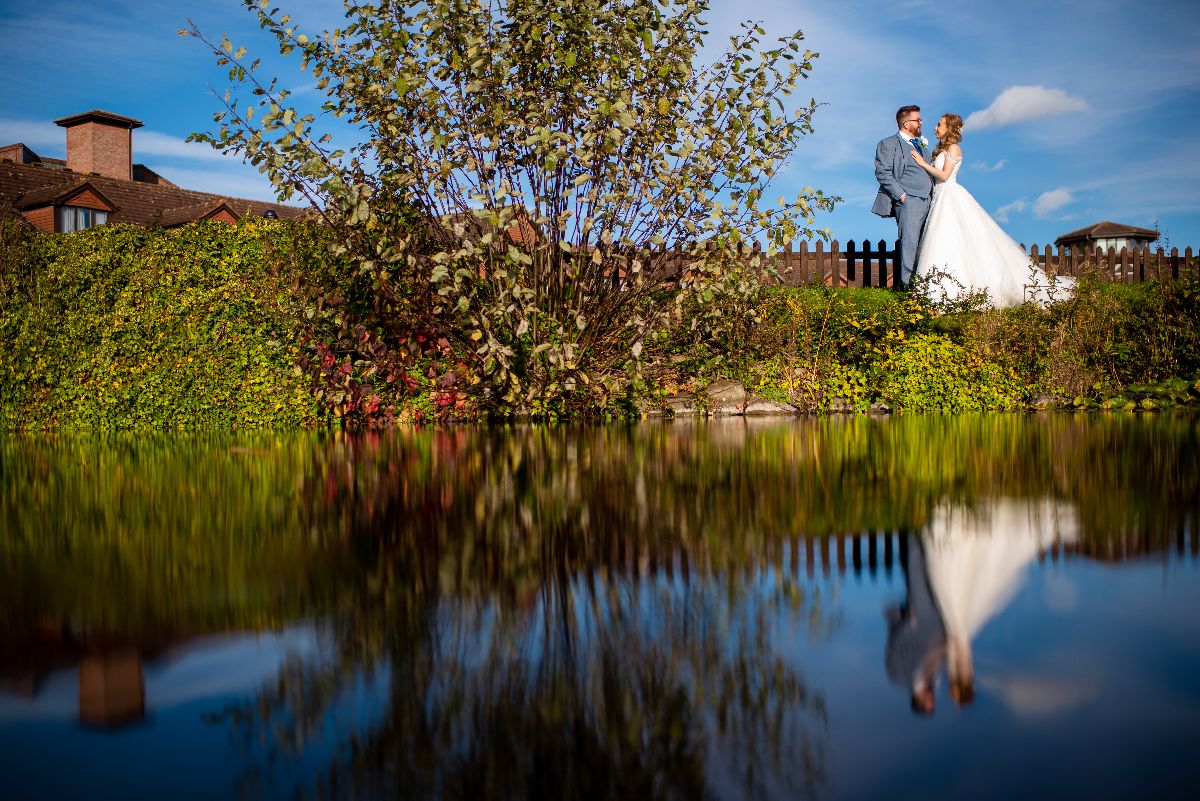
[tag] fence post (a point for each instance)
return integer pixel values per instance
(835, 267)
(882, 276)
(894, 254)
(851, 251)
(805, 272)
(1187, 255)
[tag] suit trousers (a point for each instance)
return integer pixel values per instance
(910, 221)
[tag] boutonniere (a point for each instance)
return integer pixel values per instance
(924, 143)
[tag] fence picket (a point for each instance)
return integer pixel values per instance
(869, 264)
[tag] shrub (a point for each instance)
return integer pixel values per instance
(131, 327)
(930, 373)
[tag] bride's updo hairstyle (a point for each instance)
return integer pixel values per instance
(954, 125)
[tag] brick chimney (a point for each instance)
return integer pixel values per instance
(100, 142)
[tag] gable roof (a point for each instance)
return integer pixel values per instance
(59, 194)
(31, 185)
(199, 211)
(1107, 230)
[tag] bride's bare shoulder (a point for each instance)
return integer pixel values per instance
(954, 151)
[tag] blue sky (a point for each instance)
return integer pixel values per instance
(1084, 110)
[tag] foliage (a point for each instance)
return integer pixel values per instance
(135, 328)
(1105, 336)
(509, 167)
(16, 261)
(930, 373)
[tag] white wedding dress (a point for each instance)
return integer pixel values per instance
(963, 250)
(976, 557)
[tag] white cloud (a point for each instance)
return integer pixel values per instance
(151, 143)
(47, 139)
(32, 134)
(1050, 202)
(983, 166)
(1018, 205)
(1020, 103)
(236, 182)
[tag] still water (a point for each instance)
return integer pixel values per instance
(927, 607)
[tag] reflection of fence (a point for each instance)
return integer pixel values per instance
(871, 552)
(882, 550)
(866, 265)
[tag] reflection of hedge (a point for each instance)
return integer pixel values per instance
(152, 533)
(129, 327)
(200, 530)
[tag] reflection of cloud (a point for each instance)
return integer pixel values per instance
(204, 668)
(1050, 202)
(1020, 103)
(223, 665)
(1062, 594)
(1036, 697)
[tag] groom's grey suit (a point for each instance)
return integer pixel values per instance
(898, 175)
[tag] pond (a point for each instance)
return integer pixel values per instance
(856, 608)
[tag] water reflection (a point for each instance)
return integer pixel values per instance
(961, 571)
(652, 611)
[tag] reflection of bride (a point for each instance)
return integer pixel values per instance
(976, 560)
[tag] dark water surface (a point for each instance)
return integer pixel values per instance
(927, 607)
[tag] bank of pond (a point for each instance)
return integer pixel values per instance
(258, 325)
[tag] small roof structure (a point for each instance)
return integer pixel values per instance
(1106, 230)
(171, 218)
(100, 116)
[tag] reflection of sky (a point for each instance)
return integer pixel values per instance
(205, 668)
(174, 752)
(1086, 688)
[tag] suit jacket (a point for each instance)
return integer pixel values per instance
(898, 175)
(915, 630)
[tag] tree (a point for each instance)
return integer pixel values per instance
(515, 164)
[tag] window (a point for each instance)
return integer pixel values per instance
(74, 218)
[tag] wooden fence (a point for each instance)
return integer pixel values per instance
(867, 265)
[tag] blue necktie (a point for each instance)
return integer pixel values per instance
(915, 144)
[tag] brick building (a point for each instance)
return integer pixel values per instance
(98, 182)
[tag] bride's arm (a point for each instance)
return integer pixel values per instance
(953, 154)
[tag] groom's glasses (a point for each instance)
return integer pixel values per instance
(915, 119)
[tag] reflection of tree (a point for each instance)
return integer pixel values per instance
(609, 688)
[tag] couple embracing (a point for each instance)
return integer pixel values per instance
(946, 238)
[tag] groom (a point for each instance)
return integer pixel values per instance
(904, 188)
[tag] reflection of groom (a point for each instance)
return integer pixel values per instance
(904, 187)
(916, 633)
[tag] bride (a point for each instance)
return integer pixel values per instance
(963, 250)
